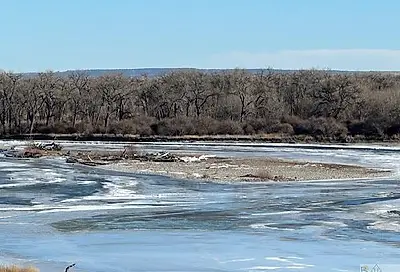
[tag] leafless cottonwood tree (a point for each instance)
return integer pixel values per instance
(192, 101)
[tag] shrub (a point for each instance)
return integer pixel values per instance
(299, 126)
(122, 127)
(302, 127)
(258, 125)
(263, 125)
(63, 127)
(84, 128)
(284, 128)
(364, 128)
(248, 129)
(393, 130)
(291, 119)
(57, 128)
(229, 127)
(173, 127)
(328, 127)
(185, 125)
(164, 128)
(14, 268)
(142, 125)
(144, 130)
(205, 126)
(99, 129)
(43, 129)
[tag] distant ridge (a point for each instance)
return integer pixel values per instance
(153, 72)
(150, 72)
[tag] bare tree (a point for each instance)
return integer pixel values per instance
(78, 86)
(194, 101)
(334, 95)
(242, 82)
(8, 87)
(114, 91)
(197, 91)
(34, 91)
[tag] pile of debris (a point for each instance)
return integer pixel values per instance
(157, 157)
(25, 153)
(48, 147)
(87, 160)
(96, 159)
(35, 150)
(132, 153)
(166, 157)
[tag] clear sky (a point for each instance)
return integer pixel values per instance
(291, 34)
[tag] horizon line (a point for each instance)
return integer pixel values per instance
(196, 68)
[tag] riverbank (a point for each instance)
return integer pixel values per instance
(226, 169)
(257, 138)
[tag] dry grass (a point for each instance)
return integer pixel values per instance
(14, 268)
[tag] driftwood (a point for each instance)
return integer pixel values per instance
(85, 162)
(71, 160)
(158, 157)
(68, 267)
(92, 163)
(394, 212)
(35, 150)
(93, 160)
(49, 147)
(27, 153)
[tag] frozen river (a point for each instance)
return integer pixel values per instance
(53, 214)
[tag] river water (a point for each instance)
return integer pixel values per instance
(53, 214)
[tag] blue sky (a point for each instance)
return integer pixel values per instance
(79, 34)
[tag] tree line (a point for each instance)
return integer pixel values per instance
(307, 102)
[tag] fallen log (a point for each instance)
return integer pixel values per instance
(68, 267)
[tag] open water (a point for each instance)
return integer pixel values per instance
(53, 214)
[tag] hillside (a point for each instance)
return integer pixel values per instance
(152, 72)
